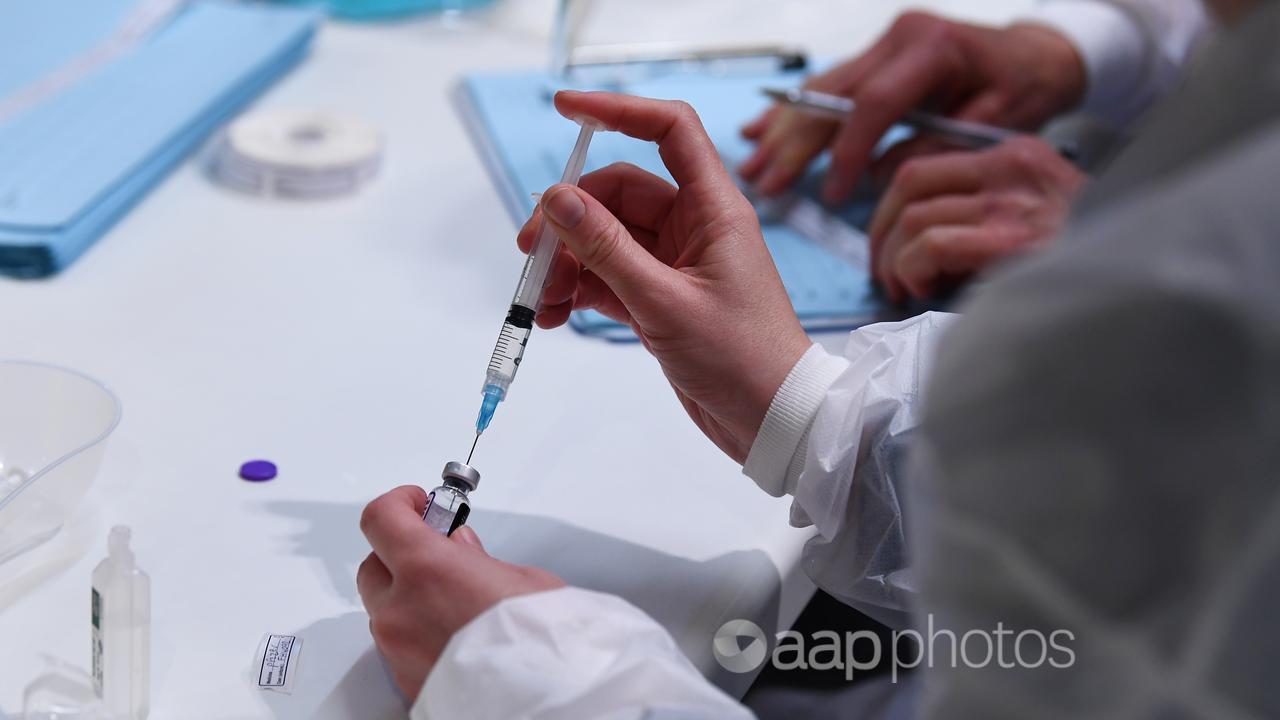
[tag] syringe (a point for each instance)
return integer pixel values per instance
(528, 299)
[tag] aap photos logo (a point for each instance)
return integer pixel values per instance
(740, 646)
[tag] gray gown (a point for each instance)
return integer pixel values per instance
(1100, 452)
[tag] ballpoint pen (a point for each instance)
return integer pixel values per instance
(974, 134)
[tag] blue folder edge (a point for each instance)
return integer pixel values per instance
(39, 255)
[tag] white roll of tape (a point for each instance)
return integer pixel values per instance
(297, 154)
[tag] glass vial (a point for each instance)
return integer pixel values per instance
(121, 626)
(448, 505)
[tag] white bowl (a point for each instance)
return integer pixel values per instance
(53, 422)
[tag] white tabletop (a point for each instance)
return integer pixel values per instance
(345, 341)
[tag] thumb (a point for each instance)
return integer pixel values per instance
(468, 536)
(603, 245)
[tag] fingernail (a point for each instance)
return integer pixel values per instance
(565, 208)
(468, 536)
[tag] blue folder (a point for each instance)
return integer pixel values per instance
(525, 143)
(76, 161)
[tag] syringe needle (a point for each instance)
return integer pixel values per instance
(473, 448)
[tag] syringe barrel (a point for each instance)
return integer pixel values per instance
(499, 380)
(509, 349)
(536, 269)
(547, 245)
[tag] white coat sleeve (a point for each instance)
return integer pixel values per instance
(1133, 50)
(833, 439)
(572, 654)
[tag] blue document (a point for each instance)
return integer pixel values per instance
(820, 256)
(75, 161)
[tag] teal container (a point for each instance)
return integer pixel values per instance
(385, 9)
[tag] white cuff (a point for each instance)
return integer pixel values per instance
(567, 654)
(1117, 55)
(789, 416)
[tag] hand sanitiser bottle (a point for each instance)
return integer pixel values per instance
(121, 614)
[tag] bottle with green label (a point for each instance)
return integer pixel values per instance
(120, 611)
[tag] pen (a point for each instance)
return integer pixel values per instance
(974, 134)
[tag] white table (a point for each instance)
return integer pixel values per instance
(344, 340)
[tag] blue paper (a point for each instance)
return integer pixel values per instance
(526, 143)
(71, 165)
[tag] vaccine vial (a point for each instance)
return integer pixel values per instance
(120, 612)
(448, 505)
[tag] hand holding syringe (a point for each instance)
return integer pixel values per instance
(682, 261)
(527, 301)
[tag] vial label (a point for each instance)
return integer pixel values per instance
(437, 516)
(95, 651)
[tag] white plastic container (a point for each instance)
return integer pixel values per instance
(121, 629)
(53, 422)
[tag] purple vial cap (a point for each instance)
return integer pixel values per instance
(258, 470)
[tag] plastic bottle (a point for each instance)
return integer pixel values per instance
(121, 616)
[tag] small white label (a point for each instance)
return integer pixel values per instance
(277, 662)
(95, 652)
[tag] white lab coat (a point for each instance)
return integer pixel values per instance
(1133, 50)
(832, 440)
